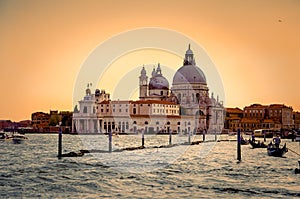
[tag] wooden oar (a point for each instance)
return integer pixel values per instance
(293, 151)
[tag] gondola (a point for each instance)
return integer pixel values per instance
(277, 152)
(244, 142)
(257, 144)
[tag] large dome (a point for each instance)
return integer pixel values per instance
(189, 74)
(158, 82)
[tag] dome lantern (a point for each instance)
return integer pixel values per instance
(189, 73)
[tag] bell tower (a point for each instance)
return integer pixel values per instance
(143, 84)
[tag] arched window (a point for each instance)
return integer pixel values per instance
(85, 109)
(179, 97)
(105, 126)
(197, 97)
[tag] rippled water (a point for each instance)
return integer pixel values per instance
(207, 170)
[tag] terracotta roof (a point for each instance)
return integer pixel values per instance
(233, 110)
(138, 102)
(154, 116)
(153, 102)
(278, 106)
(121, 101)
(104, 102)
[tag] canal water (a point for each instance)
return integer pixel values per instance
(208, 170)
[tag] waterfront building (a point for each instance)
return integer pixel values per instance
(249, 124)
(233, 118)
(85, 119)
(186, 106)
(4, 124)
(49, 122)
(256, 116)
(40, 120)
(275, 116)
(296, 117)
(8, 125)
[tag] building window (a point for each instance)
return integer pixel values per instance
(134, 110)
(114, 110)
(85, 109)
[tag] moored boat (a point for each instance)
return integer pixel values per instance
(18, 138)
(257, 144)
(2, 136)
(244, 142)
(277, 152)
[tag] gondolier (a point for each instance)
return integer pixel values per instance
(277, 141)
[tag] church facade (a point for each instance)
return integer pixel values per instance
(185, 107)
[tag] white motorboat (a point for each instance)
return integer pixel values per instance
(18, 138)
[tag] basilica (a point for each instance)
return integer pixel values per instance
(184, 107)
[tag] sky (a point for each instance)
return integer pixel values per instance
(254, 45)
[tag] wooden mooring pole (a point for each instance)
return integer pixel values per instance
(170, 135)
(59, 143)
(239, 157)
(189, 140)
(110, 141)
(143, 136)
(215, 134)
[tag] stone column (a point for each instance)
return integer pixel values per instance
(87, 125)
(73, 125)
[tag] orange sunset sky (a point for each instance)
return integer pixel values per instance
(254, 45)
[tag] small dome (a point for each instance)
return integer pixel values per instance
(189, 74)
(158, 82)
(97, 92)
